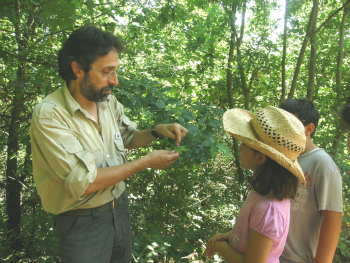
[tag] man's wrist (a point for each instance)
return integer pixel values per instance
(154, 133)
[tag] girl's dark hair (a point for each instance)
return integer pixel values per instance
(85, 46)
(273, 177)
(345, 115)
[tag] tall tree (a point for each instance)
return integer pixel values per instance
(229, 82)
(339, 85)
(312, 61)
(312, 21)
(14, 181)
(285, 31)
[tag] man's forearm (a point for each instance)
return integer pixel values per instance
(140, 139)
(109, 176)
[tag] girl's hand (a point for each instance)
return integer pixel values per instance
(210, 245)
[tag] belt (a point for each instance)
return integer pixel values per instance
(103, 208)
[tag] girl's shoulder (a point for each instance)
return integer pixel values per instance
(267, 202)
(269, 216)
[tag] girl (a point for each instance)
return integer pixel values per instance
(271, 140)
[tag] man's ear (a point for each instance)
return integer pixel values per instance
(78, 72)
(309, 129)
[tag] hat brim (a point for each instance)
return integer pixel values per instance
(242, 131)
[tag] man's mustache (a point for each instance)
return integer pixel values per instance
(107, 88)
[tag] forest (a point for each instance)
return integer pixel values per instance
(187, 61)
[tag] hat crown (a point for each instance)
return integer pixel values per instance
(280, 130)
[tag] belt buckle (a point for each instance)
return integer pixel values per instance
(113, 204)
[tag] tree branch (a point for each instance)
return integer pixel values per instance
(329, 18)
(38, 62)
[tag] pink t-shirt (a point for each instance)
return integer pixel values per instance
(266, 216)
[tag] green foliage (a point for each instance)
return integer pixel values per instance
(344, 244)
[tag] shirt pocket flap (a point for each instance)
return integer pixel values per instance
(126, 120)
(120, 145)
(72, 145)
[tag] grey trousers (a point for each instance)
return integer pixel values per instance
(99, 238)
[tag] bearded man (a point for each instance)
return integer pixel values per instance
(79, 134)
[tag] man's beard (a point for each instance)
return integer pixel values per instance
(90, 92)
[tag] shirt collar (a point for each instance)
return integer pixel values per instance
(72, 104)
(104, 104)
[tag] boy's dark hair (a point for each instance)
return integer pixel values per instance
(273, 177)
(345, 115)
(304, 110)
(85, 45)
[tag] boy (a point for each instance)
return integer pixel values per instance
(316, 213)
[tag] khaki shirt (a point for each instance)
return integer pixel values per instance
(68, 146)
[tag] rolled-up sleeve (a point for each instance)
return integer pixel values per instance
(126, 126)
(127, 129)
(60, 155)
(82, 168)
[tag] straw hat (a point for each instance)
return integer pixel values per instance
(272, 131)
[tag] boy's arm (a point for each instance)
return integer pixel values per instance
(258, 249)
(329, 236)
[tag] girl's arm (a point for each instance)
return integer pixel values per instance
(210, 245)
(258, 249)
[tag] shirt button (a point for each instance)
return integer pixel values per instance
(108, 155)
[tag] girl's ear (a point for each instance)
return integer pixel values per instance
(261, 159)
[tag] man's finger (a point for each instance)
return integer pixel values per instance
(180, 134)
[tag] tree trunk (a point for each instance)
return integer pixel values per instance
(229, 81)
(303, 48)
(13, 180)
(341, 54)
(312, 62)
(229, 85)
(283, 95)
(339, 87)
(239, 60)
(13, 185)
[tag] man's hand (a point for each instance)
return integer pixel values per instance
(173, 131)
(109, 176)
(161, 159)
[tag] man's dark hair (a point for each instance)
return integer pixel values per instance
(304, 110)
(273, 178)
(345, 115)
(84, 46)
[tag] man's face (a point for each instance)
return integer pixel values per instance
(101, 79)
(93, 93)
